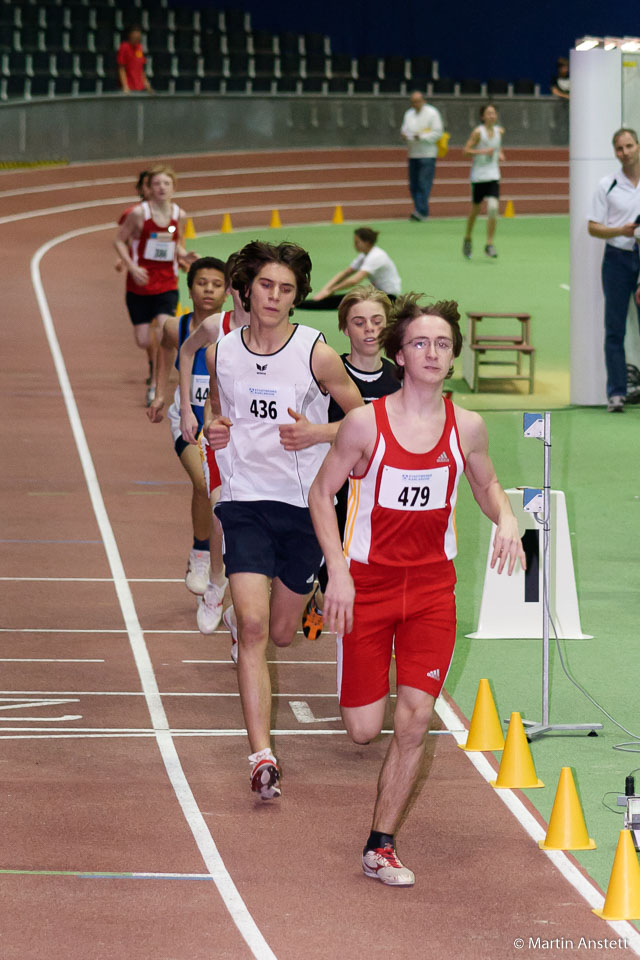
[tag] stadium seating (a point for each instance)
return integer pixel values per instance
(73, 43)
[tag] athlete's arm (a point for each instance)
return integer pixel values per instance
(166, 355)
(216, 429)
(205, 334)
(329, 371)
(352, 447)
(336, 283)
(603, 232)
(487, 491)
(352, 279)
(130, 230)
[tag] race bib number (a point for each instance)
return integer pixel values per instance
(161, 250)
(199, 389)
(413, 489)
(264, 404)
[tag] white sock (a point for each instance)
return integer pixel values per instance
(265, 754)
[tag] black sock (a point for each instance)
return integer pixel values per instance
(200, 544)
(377, 840)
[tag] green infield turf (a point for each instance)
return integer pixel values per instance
(595, 460)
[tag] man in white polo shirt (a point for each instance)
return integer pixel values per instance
(615, 209)
(372, 265)
(421, 129)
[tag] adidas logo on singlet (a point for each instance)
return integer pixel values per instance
(434, 674)
(443, 458)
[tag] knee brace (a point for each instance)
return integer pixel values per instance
(492, 206)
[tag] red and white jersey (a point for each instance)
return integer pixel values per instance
(156, 249)
(401, 511)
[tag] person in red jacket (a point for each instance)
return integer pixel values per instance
(131, 61)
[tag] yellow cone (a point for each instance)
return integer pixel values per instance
(179, 309)
(189, 230)
(337, 215)
(567, 829)
(622, 901)
(485, 731)
(226, 224)
(275, 219)
(508, 210)
(516, 769)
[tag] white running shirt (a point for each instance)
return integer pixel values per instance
(255, 391)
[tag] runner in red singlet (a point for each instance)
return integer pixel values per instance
(393, 586)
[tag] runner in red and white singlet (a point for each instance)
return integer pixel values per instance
(392, 589)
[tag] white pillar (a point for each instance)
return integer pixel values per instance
(595, 114)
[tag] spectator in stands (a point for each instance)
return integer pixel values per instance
(421, 128)
(131, 61)
(561, 84)
(372, 265)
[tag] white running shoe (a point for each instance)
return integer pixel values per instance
(210, 608)
(197, 575)
(227, 619)
(383, 864)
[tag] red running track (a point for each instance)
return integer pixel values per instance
(129, 827)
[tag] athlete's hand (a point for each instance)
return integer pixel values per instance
(154, 410)
(185, 262)
(217, 432)
(119, 266)
(338, 601)
(139, 275)
(298, 435)
(507, 545)
(188, 426)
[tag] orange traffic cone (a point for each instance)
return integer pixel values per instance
(509, 210)
(622, 901)
(516, 768)
(226, 224)
(485, 731)
(189, 230)
(337, 216)
(567, 829)
(275, 219)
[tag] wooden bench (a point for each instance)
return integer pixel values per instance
(517, 343)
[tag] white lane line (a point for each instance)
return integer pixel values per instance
(198, 825)
(584, 885)
(150, 732)
(330, 663)
(46, 660)
(16, 694)
(565, 286)
(91, 579)
(304, 714)
(195, 174)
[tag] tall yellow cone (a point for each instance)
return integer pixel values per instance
(275, 219)
(189, 230)
(337, 215)
(622, 901)
(508, 210)
(516, 768)
(567, 829)
(179, 309)
(485, 731)
(226, 224)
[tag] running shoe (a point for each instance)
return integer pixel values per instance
(197, 575)
(615, 405)
(227, 619)
(466, 249)
(491, 251)
(312, 620)
(633, 395)
(150, 395)
(265, 779)
(210, 608)
(383, 865)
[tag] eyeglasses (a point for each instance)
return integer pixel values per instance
(442, 344)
